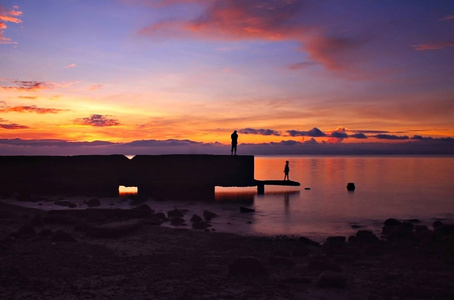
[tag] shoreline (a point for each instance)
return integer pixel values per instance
(107, 254)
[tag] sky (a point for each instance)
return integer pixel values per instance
(178, 76)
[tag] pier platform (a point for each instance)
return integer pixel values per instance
(190, 177)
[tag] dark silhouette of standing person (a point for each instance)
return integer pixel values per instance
(286, 171)
(234, 137)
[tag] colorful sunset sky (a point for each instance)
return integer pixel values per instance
(178, 76)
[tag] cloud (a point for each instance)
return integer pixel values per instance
(11, 16)
(97, 121)
(301, 65)
(69, 66)
(285, 147)
(94, 87)
(28, 86)
(11, 126)
(314, 132)
(433, 46)
(359, 135)
(30, 109)
(270, 20)
(391, 137)
(447, 18)
(259, 131)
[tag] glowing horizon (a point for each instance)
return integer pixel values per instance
(196, 70)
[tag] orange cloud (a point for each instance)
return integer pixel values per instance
(28, 86)
(8, 16)
(31, 108)
(70, 66)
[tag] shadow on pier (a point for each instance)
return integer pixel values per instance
(178, 177)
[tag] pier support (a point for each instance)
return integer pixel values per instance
(260, 189)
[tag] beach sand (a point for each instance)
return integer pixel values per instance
(126, 254)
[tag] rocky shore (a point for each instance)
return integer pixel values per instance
(125, 254)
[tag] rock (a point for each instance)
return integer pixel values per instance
(392, 222)
(246, 209)
(208, 215)
(93, 202)
(363, 237)
(247, 266)
(281, 261)
(63, 203)
(160, 216)
(200, 225)
(308, 242)
(175, 213)
(177, 221)
(330, 279)
(62, 236)
(136, 200)
(196, 218)
(323, 265)
(336, 240)
(437, 225)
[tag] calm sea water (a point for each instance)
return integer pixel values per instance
(386, 187)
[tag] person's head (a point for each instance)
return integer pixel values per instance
(234, 131)
(286, 162)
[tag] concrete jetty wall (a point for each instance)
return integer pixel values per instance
(161, 176)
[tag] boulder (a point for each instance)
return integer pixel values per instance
(208, 215)
(247, 266)
(308, 242)
(392, 222)
(363, 237)
(196, 218)
(336, 240)
(177, 221)
(175, 213)
(246, 209)
(93, 202)
(200, 225)
(281, 261)
(330, 279)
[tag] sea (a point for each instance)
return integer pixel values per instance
(419, 189)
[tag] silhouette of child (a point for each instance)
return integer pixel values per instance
(286, 171)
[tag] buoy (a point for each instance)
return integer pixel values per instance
(350, 186)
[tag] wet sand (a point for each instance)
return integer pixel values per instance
(127, 254)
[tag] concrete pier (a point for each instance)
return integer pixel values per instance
(185, 177)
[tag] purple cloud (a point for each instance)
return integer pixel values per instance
(314, 132)
(97, 121)
(259, 131)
